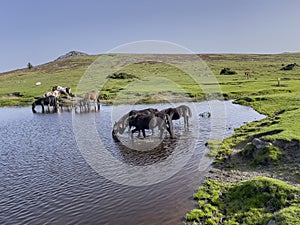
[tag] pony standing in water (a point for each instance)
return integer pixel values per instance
(149, 121)
(178, 112)
(92, 96)
(49, 101)
(124, 121)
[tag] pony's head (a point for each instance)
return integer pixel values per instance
(54, 88)
(118, 128)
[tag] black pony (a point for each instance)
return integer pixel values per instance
(124, 122)
(149, 121)
(49, 101)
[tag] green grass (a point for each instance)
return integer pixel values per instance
(255, 201)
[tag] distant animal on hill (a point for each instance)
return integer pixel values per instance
(248, 74)
(49, 101)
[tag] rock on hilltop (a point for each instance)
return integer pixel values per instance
(71, 54)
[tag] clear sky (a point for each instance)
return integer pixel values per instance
(39, 31)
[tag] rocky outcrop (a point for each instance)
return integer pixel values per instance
(71, 54)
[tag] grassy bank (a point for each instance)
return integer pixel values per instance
(255, 201)
(243, 165)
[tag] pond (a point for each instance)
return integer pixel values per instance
(65, 168)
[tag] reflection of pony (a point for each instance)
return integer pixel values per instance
(178, 112)
(50, 101)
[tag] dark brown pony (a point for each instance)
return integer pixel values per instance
(142, 121)
(124, 122)
(178, 112)
(49, 101)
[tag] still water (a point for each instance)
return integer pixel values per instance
(48, 177)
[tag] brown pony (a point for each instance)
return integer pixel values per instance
(178, 112)
(247, 74)
(92, 96)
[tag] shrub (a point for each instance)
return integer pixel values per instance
(121, 76)
(227, 71)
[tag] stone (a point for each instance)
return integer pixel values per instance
(259, 144)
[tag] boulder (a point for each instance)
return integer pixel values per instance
(259, 144)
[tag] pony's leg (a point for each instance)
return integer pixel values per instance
(98, 104)
(133, 131)
(170, 127)
(161, 129)
(184, 121)
(152, 131)
(144, 133)
(33, 108)
(43, 109)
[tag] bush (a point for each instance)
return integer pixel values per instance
(121, 76)
(227, 71)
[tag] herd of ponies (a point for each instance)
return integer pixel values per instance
(150, 118)
(133, 121)
(55, 97)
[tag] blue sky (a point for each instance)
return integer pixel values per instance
(39, 31)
